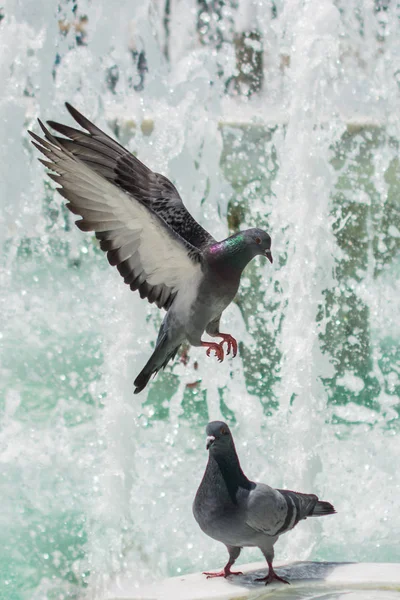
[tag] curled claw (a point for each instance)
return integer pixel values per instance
(231, 343)
(219, 351)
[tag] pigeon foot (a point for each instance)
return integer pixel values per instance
(231, 343)
(224, 573)
(271, 577)
(219, 351)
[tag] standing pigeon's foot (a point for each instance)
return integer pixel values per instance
(224, 573)
(231, 342)
(219, 351)
(272, 576)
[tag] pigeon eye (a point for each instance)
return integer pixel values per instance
(223, 431)
(258, 240)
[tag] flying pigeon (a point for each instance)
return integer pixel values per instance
(238, 512)
(148, 234)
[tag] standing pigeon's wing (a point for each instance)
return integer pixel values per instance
(111, 160)
(151, 257)
(266, 509)
(276, 511)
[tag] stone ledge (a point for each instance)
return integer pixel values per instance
(304, 577)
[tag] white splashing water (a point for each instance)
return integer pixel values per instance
(98, 483)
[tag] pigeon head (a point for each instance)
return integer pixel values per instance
(234, 253)
(259, 242)
(222, 452)
(218, 436)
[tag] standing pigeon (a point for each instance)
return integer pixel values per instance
(150, 237)
(238, 512)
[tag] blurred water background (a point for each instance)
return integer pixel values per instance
(277, 113)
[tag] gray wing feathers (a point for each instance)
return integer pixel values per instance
(149, 255)
(266, 509)
(112, 161)
(276, 511)
(300, 506)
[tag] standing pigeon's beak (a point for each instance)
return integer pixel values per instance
(209, 441)
(269, 256)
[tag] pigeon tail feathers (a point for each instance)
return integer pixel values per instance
(323, 508)
(158, 360)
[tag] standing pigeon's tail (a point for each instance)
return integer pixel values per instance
(158, 360)
(323, 508)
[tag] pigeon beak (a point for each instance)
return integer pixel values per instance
(209, 441)
(269, 256)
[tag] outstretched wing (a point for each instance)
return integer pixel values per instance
(111, 160)
(276, 511)
(151, 257)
